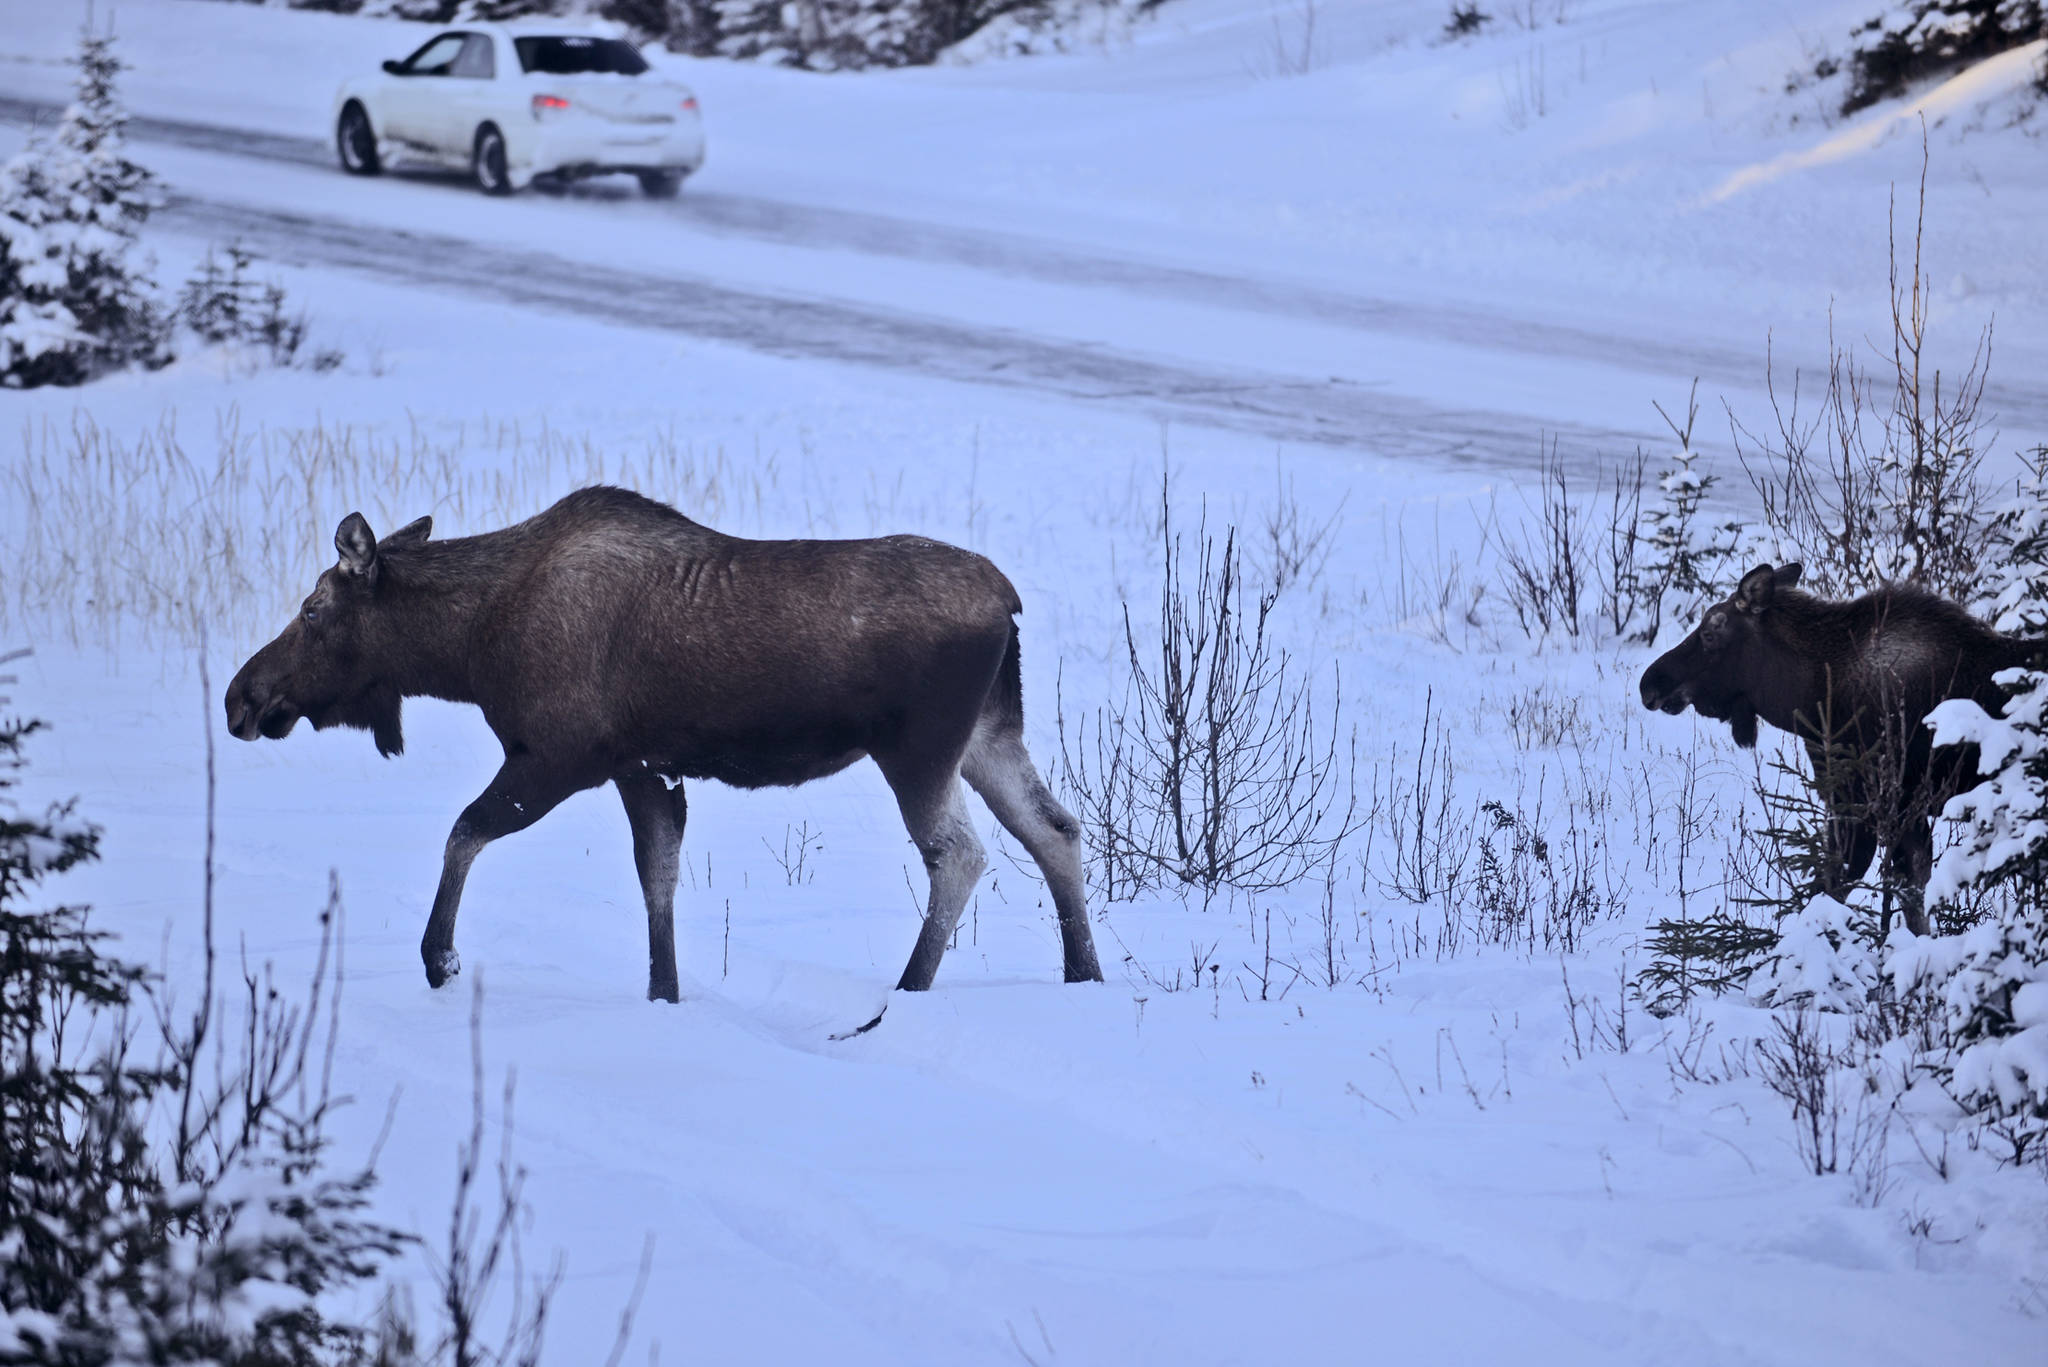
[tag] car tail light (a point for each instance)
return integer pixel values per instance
(544, 105)
(690, 103)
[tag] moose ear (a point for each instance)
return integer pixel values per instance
(1753, 594)
(411, 534)
(1787, 576)
(357, 544)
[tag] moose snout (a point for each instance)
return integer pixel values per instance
(1661, 692)
(243, 711)
(254, 711)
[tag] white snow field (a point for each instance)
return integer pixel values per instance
(990, 303)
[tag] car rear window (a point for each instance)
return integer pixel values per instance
(574, 56)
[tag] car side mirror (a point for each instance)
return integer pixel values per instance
(392, 68)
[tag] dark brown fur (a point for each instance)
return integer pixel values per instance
(1870, 670)
(611, 639)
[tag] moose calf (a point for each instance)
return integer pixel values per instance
(1858, 676)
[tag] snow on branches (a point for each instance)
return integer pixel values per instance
(165, 1204)
(1990, 983)
(75, 291)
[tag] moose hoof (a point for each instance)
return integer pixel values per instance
(441, 967)
(664, 992)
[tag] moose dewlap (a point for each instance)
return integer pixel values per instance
(610, 639)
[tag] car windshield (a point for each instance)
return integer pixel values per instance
(574, 56)
(436, 57)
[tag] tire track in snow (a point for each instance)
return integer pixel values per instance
(1326, 412)
(799, 225)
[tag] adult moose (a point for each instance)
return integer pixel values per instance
(1860, 676)
(610, 639)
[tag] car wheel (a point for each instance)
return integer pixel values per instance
(355, 142)
(660, 184)
(488, 162)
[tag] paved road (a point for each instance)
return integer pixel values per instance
(803, 225)
(1326, 412)
(1320, 410)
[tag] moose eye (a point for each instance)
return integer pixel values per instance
(311, 614)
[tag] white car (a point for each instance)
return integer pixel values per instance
(514, 103)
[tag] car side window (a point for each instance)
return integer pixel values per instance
(476, 60)
(436, 57)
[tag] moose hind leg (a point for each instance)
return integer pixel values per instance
(1000, 770)
(936, 814)
(657, 812)
(521, 794)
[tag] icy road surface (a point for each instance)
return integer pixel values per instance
(1327, 410)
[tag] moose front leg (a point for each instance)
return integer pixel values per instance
(657, 812)
(520, 795)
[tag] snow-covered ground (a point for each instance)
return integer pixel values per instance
(1446, 1157)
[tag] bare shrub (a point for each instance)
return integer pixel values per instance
(1218, 768)
(1429, 834)
(1594, 1024)
(1840, 1115)
(1525, 90)
(1292, 46)
(484, 1241)
(1546, 565)
(796, 857)
(1297, 545)
(1530, 15)
(1881, 479)
(1624, 587)
(1330, 964)
(1540, 719)
(1531, 890)
(1187, 976)
(1798, 1064)
(1433, 599)
(1266, 973)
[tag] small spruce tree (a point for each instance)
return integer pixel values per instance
(1990, 983)
(172, 1209)
(76, 298)
(1684, 562)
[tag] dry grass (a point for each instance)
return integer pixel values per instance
(161, 538)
